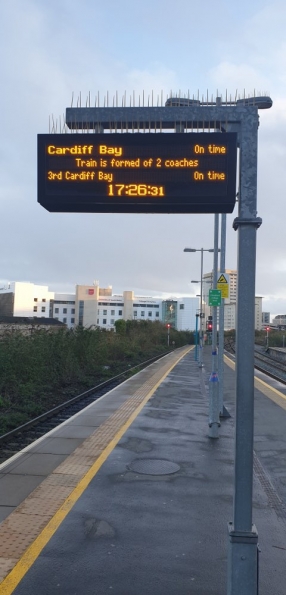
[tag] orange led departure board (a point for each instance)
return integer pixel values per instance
(137, 173)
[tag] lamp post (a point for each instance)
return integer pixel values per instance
(201, 250)
(168, 327)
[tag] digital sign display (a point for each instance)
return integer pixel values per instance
(137, 172)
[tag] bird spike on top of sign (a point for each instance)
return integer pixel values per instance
(156, 99)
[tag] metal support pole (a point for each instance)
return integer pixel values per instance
(196, 339)
(243, 538)
(201, 313)
(222, 410)
(214, 379)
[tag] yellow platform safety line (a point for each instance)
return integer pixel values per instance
(12, 580)
(272, 393)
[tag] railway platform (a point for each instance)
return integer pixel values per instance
(132, 497)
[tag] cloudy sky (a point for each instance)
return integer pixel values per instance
(54, 51)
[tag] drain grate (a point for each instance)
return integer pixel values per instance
(153, 467)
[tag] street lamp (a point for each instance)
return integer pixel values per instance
(201, 250)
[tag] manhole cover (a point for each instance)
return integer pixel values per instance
(153, 467)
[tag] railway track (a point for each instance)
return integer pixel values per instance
(263, 362)
(16, 440)
(24, 435)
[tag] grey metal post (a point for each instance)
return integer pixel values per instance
(242, 559)
(214, 379)
(196, 339)
(222, 410)
(201, 313)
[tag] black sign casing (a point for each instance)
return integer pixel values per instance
(137, 172)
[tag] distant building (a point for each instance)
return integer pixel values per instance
(62, 308)
(279, 322)
(180, 313)
(92, 306)
(25, 299)
(98, 307)
(265, 318)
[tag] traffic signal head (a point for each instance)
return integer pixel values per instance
(210, 326)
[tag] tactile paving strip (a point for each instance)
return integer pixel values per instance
(20, 529)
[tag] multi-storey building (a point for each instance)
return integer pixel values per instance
(265, 318)
(279, 322)
(25, 299)
(181, 313)
(98, 307)
(62, 307)
(93, 306)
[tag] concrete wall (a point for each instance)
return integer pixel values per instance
(128, 298)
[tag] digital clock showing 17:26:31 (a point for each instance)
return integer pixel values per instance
(135, 190)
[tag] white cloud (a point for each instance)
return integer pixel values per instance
(238, 78)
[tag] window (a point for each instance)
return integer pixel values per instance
(107, 304)
(157, 314)
(35, 308)
(112, 312)
(62, 302)
(104, 321)
(56, 310)
(65, 310)
(80, 312)
(97, 322)
(112, 321)
(43, 309)
(44, 299)
(73, 311)
(142, 313)
(64, 319)
(35, 299)
(182, 306)
(135, 312)
(119, 312)
(149, 313)
(104, 312)
(72, 320)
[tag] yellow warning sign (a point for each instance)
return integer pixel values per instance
(223, 285)
(222, 279)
